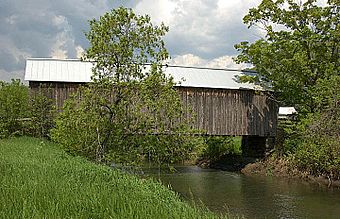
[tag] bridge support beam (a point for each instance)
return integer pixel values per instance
(256, 146)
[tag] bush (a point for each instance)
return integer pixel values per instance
(14, 108)
(219, 146)
(42, 112)
(22, 113)
(319, 152)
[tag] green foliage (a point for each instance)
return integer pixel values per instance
(319, 151)
(299, 59)
(22, 113)
(39, 180)
(42, 114)
(121, 43)
(300, 49)
(130, 112)
(248, 78)
(143, 126)
(219, 146)
(14, 108)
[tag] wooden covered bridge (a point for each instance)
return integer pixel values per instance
(222, 105)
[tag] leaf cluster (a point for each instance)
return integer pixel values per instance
(122, 42)
(22, 113)
(319, 150)
(300, 48)
(215, 147)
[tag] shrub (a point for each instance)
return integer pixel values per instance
(14, 108)
(218, 146)
(319, 152)
(22, 113)
(42, 112)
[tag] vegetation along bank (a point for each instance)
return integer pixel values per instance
(40, 180)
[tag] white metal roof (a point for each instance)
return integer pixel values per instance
(74, 70)
(209, 78)
(63, 70)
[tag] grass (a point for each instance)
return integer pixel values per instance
(40, 180)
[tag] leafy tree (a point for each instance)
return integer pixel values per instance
(299, 54)
(130, 112)
(121, 43)
(299, 59)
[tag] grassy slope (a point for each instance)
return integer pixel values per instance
(39, 180)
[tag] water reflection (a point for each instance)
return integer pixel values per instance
(253, 197)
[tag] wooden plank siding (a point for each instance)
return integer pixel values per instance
(231, 112)
(217, 111)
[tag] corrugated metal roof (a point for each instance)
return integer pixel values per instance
(67, 70)
(74, 70)
(210, 78)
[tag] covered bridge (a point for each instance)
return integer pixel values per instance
(222, 105)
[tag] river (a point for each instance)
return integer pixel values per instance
(253, 197)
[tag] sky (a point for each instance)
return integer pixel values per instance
(202, 32)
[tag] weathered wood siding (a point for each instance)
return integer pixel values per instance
(217, 111)
(58, 91)
(231, 112)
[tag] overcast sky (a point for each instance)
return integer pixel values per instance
(202, 32)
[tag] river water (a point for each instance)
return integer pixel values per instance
(253, 197)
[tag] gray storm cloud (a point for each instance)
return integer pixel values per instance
(206, 30)
(45, 28)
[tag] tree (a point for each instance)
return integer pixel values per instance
(300, 51)
(299, 59)
(121, 43)
(131, 111)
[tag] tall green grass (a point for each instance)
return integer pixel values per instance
(39, 180)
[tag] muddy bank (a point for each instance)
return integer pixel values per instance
(282, 168)
(277, 167)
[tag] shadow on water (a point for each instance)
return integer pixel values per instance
(252, 197)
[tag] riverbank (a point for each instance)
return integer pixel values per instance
(277, 167)
(280, 167)
(232, 163)
(40, 180)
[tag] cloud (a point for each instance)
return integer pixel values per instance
(188, 59)
(209, 29)
(80, 51)
(11, 57)
(200, 30)
(161, 10)
(43, 28)
(219, 62)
